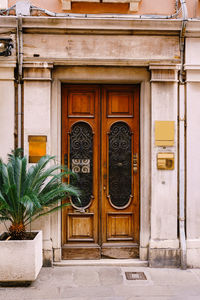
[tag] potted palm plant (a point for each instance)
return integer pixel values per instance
(25, 195)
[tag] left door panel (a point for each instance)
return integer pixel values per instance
(80, 153)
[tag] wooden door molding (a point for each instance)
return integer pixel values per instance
(104, 226)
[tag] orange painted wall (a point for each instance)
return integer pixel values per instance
(162, 7)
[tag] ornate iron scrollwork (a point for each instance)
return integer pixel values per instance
(81, 165)
(120, 178)
(81, 162)
(6, 46)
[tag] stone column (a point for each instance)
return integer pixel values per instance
(164, 243)
(37, 121)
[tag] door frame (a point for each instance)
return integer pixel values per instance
(126, 75)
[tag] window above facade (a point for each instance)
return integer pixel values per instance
(3, 4)
(133, 4)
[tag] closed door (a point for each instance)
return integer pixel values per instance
(100, 144)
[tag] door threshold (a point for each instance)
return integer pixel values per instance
(103, 262)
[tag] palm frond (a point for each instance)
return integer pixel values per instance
(27, 194)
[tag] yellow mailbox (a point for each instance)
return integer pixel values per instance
(165, 161)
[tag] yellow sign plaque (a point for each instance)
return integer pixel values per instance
(37, 147)
(164, 133)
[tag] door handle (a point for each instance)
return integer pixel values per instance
(135, 163)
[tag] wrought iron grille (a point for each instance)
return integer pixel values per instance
(120, 150)
(81, 162)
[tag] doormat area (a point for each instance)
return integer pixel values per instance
(135, 276)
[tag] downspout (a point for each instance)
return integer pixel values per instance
(19, 78)
(183, 252)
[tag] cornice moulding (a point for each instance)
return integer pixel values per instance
(101, 23)
(99, 62)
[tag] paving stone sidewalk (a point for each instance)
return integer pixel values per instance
(108, 283)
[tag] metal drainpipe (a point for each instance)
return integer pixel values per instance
(182, 142)
(19, 79)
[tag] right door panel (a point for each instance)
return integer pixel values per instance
(120, 171)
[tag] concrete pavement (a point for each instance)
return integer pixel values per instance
(108, 283)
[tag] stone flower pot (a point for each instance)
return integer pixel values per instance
(20, 260)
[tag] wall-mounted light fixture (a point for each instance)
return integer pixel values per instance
(6, 46)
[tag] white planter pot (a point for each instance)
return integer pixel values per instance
(21, 260)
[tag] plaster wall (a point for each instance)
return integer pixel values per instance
(7, 111)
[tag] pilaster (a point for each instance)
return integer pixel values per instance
(164, 243)
(37, 121)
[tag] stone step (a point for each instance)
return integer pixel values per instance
(103, 262)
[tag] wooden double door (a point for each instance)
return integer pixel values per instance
(100, 144)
